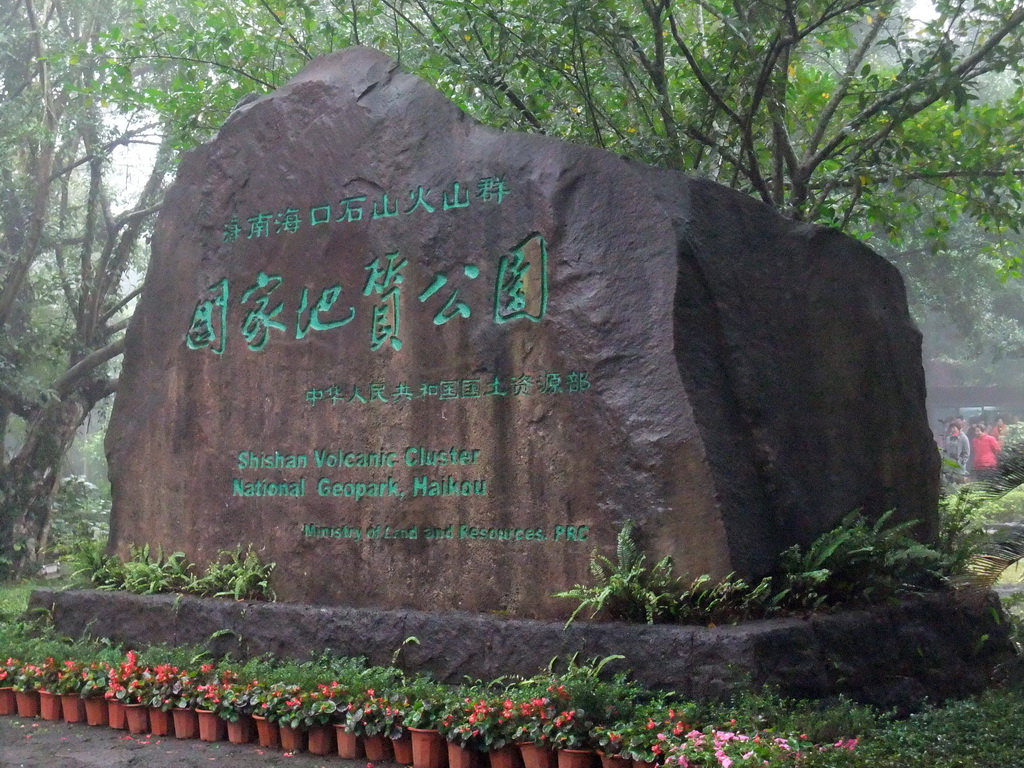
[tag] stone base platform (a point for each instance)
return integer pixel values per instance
(929, 646)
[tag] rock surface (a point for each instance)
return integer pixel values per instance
(893, 656)
(421, 363)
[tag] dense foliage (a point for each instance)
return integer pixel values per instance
(857, 562)
(70, 249)
(238, 574)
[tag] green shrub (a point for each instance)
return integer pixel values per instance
(858, 561)
(81, 510)
(242, 576)
(625, 589)
(235, 573)
(982, 732)
(855, 562)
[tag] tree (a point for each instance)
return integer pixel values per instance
(847, 113)
(66, 253)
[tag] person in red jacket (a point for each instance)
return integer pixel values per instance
(985, 450)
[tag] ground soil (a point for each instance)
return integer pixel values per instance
(34, 743)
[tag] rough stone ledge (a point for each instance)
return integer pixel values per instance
(894, 655)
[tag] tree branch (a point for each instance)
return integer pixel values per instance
(837, 96)
(916, 86)
(993, 173)
(16, 403)
(117, 327)
(751, 171)
(18, 273)
(102, 151)
(80, 370)
(120, 305)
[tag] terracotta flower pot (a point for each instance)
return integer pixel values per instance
(211, 727)
(536, 756)
(242, 730)
(429, 750)
(186, 723)
(27, 703)
(160, 722)
(615, 761)
(577, 758)
(461, 757)
(49, 705)
(292, 739)
(506, 757)
(137, 716)
(377, 748)
(96, 710)
(73, 707)
(402, 747)
(8, 704)
(115, 715)
(267, 732)
(321, 739)
(349, 745)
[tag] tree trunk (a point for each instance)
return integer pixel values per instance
(30, 481)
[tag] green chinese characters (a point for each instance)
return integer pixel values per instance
(520, 292)
(350, 210)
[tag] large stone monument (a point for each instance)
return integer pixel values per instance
(422, 363)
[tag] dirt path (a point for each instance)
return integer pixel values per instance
(34, 743)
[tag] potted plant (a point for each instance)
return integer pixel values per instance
(207, 701)
(283, 707)
(646, 735)
(125, 689)
(636, 740)
(533, 737)
(237, 702)
(183, 699)
(375, 718)
(25, 693)
(8, 669)
(609, 745)
(571, 734)
(263, 698)
(478, 721)
(320, 715)
(95, 680)
(159, 695)
(69, 688)
(425, 703)
(401, 739)
(47, 675)
(725, 746)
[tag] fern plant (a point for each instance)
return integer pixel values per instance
(148, 574)
(237, 574)
(625, 589)
(730, 599)
(92, 566)
(1006, 549)
(858, 561)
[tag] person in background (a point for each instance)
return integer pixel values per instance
(958, 447)
(998, 431)
(985, 449)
